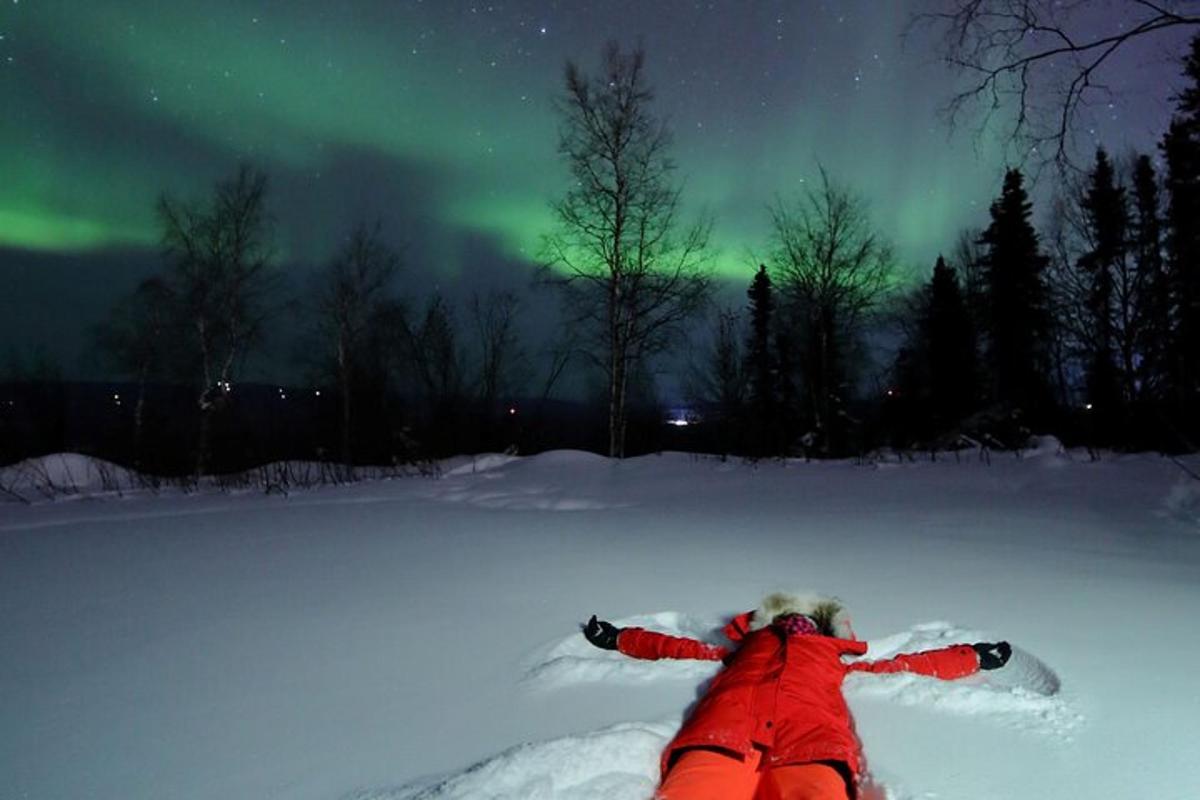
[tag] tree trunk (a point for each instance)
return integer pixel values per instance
(616, 402)
(623, 415)
(344, 380)
(616, 368)
(138, 415)
(824, 380)
(202, 438)
(205, 402)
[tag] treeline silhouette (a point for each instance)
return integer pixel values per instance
(1089, 330)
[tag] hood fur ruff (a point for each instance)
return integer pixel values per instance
(830, 616)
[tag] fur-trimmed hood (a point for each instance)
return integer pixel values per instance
(827, 612)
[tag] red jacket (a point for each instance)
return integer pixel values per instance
(781, 693)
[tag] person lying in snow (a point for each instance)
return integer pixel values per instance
(773, 724)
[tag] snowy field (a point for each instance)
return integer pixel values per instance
(418, 638)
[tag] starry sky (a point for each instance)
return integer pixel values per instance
(437, 117)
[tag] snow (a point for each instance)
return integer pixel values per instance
(419, 637)
(64, 473)
(1183, 501)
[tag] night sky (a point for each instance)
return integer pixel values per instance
(438, 118)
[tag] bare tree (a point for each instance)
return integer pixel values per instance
(1042, 61)
(833, 269)
(1075, 238)
(1067, 293)
(437, 360)
(495, 320)
(720, 380)
(561, 349)
(221, 254)
(138, 339)
(630, 273)
(354, 290)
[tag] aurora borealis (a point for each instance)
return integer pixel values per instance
(437, 117)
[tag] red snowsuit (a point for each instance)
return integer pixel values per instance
(781, 694)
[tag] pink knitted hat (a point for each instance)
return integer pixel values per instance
(798, 625)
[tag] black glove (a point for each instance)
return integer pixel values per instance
(602, 634)
(993, 655)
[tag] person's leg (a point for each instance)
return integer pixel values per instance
(700, 774)
(802, 782)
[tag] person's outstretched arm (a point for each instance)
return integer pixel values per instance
(947, 663)
(641, 643)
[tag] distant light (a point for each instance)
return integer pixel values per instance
(681, 417)
(512, 410)
(891, 393)
(1087, 407)
(317, 392)
(117, 397)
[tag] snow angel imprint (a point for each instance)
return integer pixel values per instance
(773, 724)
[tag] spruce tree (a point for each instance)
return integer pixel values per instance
(1181, 146)
(949, 344)
(761, 367)
(1107, 219)
(787, 395)
(1151, 321)
(935, 373)
(1017, 320)
(905, 410)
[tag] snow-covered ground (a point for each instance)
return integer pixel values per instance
(418, 638)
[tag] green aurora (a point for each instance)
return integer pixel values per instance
(107, 105)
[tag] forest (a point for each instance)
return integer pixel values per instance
(1087, 328)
